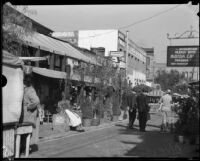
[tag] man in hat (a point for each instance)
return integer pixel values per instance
(131, 102)
(143, 109)
(165, 107)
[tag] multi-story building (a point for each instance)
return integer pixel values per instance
(150, 63)
(112, 41)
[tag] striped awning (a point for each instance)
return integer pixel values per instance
(49, 73)
(50, 44)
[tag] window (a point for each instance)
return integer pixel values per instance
(148, 60)
(57, 60)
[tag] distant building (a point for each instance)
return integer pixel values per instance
(100, 51)
(189, 72)
(107, 41)
(149, 64)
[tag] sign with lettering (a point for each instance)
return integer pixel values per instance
(117, 53)
(183, 56)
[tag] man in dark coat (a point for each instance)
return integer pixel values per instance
(131, 102)
(143, 109)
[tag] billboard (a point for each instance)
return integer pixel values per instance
(183, 56)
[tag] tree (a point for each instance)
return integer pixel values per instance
(15, 26)
(142, 87)
(168, 80)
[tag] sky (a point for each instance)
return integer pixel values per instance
(149, 33)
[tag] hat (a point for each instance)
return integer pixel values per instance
(168, 91)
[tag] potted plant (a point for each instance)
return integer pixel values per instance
(95, 120)
(86, 108)
(116, 105)
(179, 132)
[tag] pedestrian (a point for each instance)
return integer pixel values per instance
(165, 108)
(131, 102)
(30, 112)
(143, 110)
(124, 106)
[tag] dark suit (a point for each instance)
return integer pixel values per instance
(143, 109)
(131, 103)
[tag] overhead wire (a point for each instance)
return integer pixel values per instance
(134, 23)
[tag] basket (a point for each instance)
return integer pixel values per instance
(95, 122)
(115, 118)
(87, 122)
(8, 142)
(102, 120)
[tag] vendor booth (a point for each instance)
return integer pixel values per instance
(12, 95)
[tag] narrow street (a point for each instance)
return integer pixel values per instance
(75, 74)
(115, 141)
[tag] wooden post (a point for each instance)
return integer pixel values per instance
(52, 61)
(37, 54)
(20, 50)
(67, 77)
(27, 144)
(64, 63)
(17, 148)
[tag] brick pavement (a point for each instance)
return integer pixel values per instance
(46, 132)
(150, 144)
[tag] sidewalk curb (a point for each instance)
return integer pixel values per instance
(93, 128)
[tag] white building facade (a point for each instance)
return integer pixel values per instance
(114, 40)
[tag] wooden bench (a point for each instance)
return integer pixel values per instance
(23, 129)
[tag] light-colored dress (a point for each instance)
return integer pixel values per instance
(74, 118)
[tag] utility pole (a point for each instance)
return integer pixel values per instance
(153, 69)
(126, 54)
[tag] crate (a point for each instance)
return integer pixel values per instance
(115, 118)
(8, 142)
(95, 122)
(87, 122)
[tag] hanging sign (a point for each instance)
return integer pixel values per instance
(183, 56)
(117, 53)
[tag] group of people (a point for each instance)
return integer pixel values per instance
(134, 103)
(138, 103)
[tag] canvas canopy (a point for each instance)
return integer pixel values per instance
(12, 93)
(10, 59)
(49, 73)
(59, 47)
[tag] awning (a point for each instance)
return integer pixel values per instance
(33, 58)
(49, 73)
(11, 59)
(59, 47)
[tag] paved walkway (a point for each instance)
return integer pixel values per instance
(46, 132)
(116, 140)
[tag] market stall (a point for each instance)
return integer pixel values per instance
(12, 95)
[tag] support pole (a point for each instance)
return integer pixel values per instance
(126, 54)
(37, 54)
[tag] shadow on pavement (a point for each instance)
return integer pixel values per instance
(155, 144)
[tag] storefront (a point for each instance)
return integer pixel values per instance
(49, 85)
